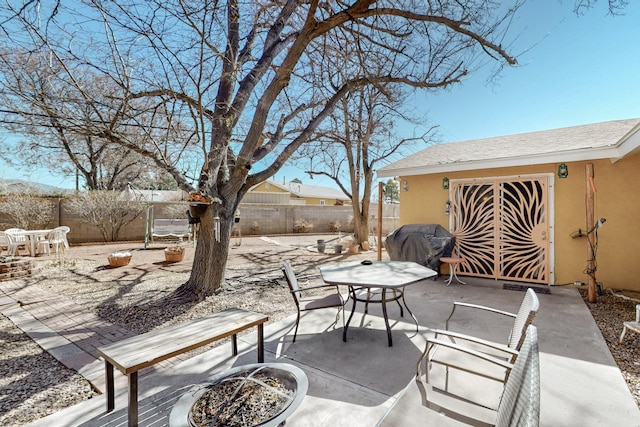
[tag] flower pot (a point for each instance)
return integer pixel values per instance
(196, 210)
(337, 249)
(321, 246)
(365, 246)
(119, 259)
(354, 249)
(173, 256)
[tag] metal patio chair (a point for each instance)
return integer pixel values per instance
(519, 404)
(311, 303)
(521, 320)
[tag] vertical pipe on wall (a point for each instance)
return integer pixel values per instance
(591, 284)
(380, 197)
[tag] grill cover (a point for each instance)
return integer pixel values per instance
(421, 243)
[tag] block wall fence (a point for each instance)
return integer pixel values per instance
(255, 219)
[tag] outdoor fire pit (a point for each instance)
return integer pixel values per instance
(262, 394)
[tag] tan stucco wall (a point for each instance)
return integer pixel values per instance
(617, 199)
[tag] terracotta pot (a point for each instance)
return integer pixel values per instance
(354, 249)
(365, 246)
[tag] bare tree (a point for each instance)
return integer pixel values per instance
(615, 7)
(58, 123)
(354, 140)
(253, 80)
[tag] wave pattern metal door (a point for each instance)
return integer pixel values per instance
(502, 228)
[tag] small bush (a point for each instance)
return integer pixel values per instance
(255, 228)
(106, 210)
(335, 226)
(302, 225)
(27, 211)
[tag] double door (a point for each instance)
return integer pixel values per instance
(502, 227)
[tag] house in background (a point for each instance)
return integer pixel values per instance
(294, 193)
(524, 207)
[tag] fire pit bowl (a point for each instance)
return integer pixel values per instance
(264, 393)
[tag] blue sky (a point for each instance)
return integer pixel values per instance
(572, 70)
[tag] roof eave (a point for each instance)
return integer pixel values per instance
(613, 153)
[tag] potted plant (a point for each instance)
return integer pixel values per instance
(365, 246)
(198, 203)
(174, 253)
(119, 259)
(337, 248)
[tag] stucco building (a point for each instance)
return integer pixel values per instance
(526, 207)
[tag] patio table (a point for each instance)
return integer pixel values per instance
(383, 276)
(33, 236)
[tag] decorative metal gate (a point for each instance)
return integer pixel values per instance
(502, 227)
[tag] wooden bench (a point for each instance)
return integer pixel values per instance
(178, 228)
(132, 354)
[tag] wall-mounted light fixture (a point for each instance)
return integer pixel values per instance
(447, 207)
(563, 170)
(445, 183)
(405, 186)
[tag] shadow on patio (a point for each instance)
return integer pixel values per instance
(354, 383)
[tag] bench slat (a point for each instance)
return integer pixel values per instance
(170, 228)
(135, 353)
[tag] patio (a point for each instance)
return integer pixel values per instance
(355, 383)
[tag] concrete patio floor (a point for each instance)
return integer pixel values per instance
(354, 383)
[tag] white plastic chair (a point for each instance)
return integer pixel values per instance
(65, 230)
(56, 239)
(5, 244)
(17, 241)
(632, 326)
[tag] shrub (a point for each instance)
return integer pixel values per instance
(302, 225)
(255, 228)
(335, 226)
(106, 210)
(27, 211)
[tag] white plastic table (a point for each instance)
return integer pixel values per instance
(33, 236)
(383, 275)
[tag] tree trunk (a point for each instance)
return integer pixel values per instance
(361, 221)
(210, 258)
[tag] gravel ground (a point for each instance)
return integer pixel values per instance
(609, 312)
(33, 384)
(139, 297)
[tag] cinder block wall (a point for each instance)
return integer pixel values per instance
(255, 219)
